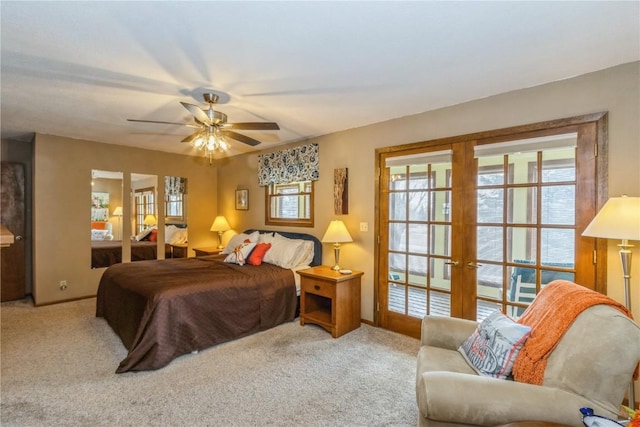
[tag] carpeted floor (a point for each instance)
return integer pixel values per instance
(58, 366)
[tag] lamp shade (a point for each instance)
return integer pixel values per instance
(337, 233)
(117, 211)
(220, 224)
(149, 220)
(619, 219)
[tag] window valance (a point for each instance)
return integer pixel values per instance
(292, 165)
(175, 185)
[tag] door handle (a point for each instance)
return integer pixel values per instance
(453, 263)
(473, 265)
(18, 238)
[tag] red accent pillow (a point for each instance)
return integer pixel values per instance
(153, 237)
(258, 253)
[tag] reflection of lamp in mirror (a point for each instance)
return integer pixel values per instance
(220, 225)
(619, 219)
(336, 233)
(149, 220)
(118, 212)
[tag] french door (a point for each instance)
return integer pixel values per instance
(470, 226)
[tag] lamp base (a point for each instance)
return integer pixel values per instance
(336, 253)
(220, 245)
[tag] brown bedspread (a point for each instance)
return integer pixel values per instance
(108, 252)
(167, 308)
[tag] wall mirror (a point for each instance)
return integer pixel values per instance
(175, 221)
(106, 218)
(144, 217)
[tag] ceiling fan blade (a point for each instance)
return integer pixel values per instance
(192, 137)
(156, 121)
(239, 137)
(197, 113)
(252, 126)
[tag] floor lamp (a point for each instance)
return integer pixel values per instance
(619, 219)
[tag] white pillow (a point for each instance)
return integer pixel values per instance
(238, 239)
(179, 237)
(239, 256)
(143, 234)
(283, 252)
(303, 254)
(266, 238)
(169, 231)
(99, 234)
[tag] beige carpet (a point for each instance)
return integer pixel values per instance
(58, 366)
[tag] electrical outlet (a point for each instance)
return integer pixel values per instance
(63, 285)
(364, 226)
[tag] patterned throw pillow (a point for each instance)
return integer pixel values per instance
(492, 349)
(240, 253)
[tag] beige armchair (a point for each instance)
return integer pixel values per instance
(591, 366)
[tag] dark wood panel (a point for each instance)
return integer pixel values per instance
(12, 200)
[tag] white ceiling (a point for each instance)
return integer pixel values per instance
(80, 69)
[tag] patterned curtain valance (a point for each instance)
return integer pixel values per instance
(175, 185)
(293, 165)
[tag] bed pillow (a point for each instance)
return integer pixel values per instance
(143, 235)
(99, 234)
(240, 253)
(303, 254)
(238, 239)
(492, 349)
(255, 258)
(283, 253)
(179, 236)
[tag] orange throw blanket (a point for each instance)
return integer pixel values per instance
(550, 314)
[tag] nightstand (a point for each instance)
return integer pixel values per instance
(330, 299)
(179, 250)
(209, 250)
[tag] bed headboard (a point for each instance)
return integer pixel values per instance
(317, 245)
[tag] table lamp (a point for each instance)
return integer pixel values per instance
(149, 220)
(619, 219)
(220, 225)
(336, 233)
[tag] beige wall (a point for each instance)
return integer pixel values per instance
(616, 90)
(62, 194)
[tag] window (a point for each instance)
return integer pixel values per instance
(174, 207)
(289, 204)
(144, 202)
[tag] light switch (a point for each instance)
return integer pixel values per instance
(364, 226)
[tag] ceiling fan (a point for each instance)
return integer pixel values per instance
(212, 127)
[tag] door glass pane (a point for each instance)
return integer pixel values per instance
(418, 205)
(417, 302)
(418, 238)
(397, 206)
(418, 177)
(521, 243)
(441, 240)
(559, 165)
(490, 243)
(397, 267)
(558, 204)
(397, 237)
(490, 170)
(527, 171)
(490, 205)
(489, 278)
(418, 270)
(522, 205)
(557, 245)
(439, 303)
(397, 299)
(440, 274)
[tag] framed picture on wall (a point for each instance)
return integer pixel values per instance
(242, 200)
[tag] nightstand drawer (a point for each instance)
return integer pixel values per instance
(317, 287)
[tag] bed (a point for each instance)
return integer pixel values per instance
(106, 252)
(163, 309)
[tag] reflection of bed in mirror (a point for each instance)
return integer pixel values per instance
(108, 252)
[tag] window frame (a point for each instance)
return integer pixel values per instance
(290, 222)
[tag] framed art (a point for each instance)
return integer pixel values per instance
(242, 200)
